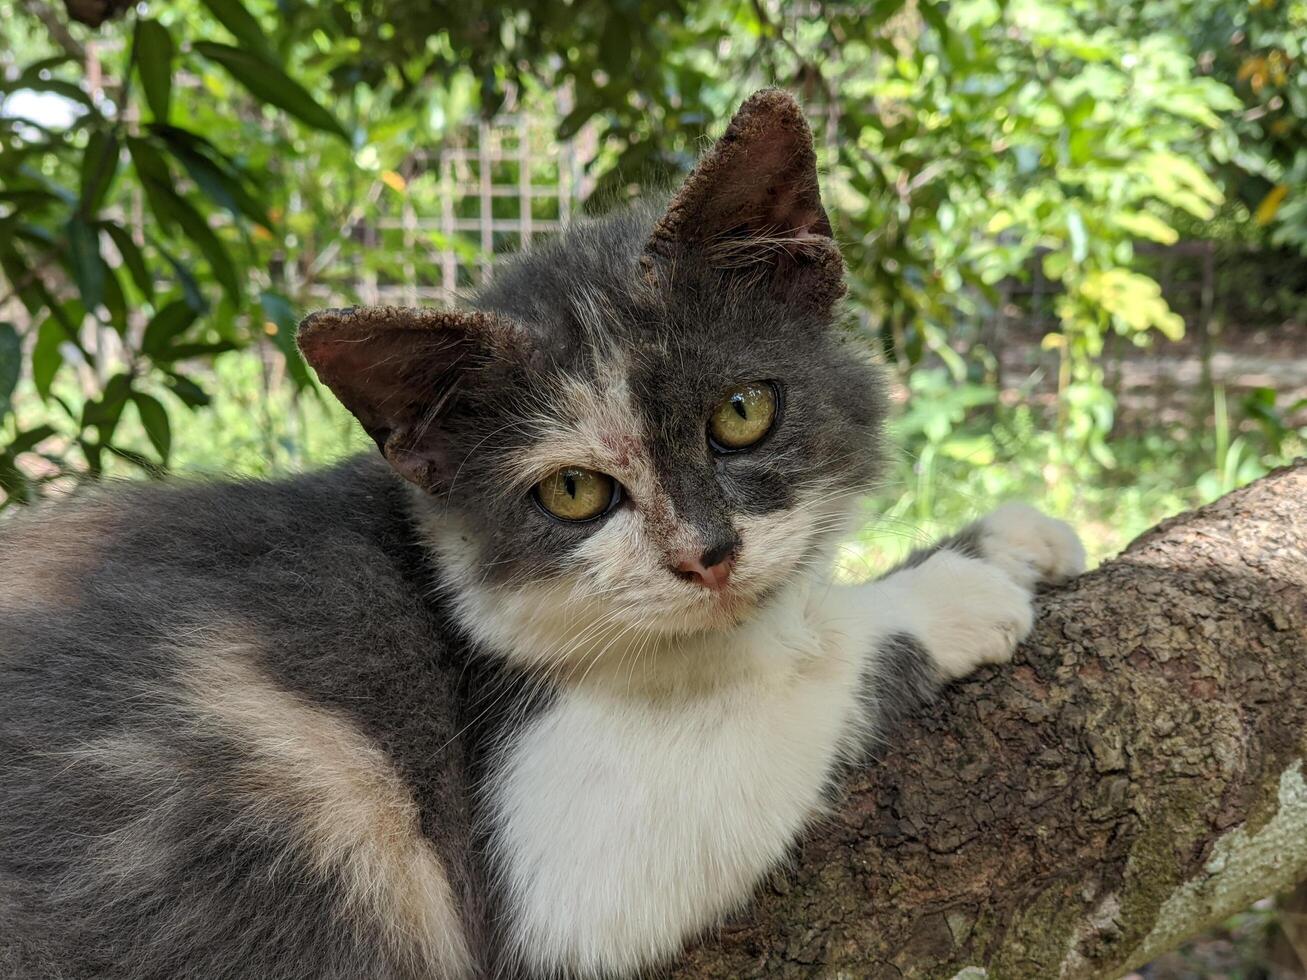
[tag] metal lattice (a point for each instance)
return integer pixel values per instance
(488, 192)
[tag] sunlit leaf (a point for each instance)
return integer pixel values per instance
(1141, 224)
(1078, 236)
(1134, 300)
(1270, 204)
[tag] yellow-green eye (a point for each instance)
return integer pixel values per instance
(577, 494)
(743, 417)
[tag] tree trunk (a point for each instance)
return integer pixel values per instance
(1134, 776)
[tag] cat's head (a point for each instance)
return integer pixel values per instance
(649, 426)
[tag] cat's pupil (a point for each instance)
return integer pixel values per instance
(737, 402)
(569, 482)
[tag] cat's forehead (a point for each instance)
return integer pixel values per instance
(592, 416)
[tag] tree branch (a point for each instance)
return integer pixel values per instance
(58, 31)
(1133, 777)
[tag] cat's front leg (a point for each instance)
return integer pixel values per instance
(966, 602)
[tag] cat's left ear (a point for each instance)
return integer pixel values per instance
(399, 370)
(752, 207)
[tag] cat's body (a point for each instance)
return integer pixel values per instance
(340, 726)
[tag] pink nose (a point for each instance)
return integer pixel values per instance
(710, 576)
(714, 574)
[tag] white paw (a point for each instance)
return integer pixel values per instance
(1030, 546)
(966, 611)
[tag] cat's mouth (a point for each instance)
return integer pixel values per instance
(721, 606)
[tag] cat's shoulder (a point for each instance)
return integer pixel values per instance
(165, 545)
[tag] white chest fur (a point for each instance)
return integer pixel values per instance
(629, 822)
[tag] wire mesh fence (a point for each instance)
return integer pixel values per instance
(491, 189)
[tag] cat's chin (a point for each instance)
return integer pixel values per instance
(714, 611)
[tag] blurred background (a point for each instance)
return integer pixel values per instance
(1076, 231)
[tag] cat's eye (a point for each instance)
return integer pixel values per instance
(743, 417)
(577, 494)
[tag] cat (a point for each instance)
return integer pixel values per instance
(540, 690)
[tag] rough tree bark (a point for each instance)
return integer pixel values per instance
(1134, 776)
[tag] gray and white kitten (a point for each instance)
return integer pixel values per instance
(548, 706)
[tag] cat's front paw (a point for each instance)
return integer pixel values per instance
(971, 611)
(1031, 547)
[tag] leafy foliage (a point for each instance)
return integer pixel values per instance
(207, 193)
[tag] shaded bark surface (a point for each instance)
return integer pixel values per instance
(1133, 776)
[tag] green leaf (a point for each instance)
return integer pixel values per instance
(233, 16)
(28, 200)
(278, 310)
(33, 71)
(26, 441)
(153, 51)
(114, 300)
(154, 419)
(104, 412)
(132, 257)
(615, 44)
(84, 261)
(191, 394)
(165, 202)
(190, 288)
(171, 321)
(181, 352)
(1134, 300)
(1141, 224)
(20, 278)
(270, 84)
(149, 164)
(99, 167)
(1077, 236)
(11, 350)
(154, 176)
(222, 187)
(47, 355)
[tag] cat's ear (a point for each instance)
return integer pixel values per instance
(398, 370)
(751, 206)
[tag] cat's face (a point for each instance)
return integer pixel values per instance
(653, 425)
(700, 422)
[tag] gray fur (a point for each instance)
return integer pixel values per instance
(325, 572)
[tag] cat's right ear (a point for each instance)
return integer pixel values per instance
(398, 370)
(751, 208)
